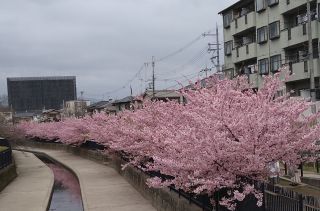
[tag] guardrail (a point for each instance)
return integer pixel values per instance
(6, 155)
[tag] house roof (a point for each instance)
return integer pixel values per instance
(52, 111)
(41, 78)
(128, 99)
(163, 94)
(237, 4)
(99, 105)
(24, 115)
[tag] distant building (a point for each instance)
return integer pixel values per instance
(127, 103)
(28, 94)
(164, 95)
(6, 114)
(102, 106)
(24, 117)
(76, 108)
(123, 104)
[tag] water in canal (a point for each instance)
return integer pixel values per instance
(66, 194)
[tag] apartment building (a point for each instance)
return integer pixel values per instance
(262, 35)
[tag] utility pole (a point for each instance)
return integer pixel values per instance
(310, 56)
(153, 78)
(215, 48)
(81, 95)
(206, 70)
(218, 48)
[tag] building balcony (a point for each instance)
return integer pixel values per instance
(243, 23)
(286, 6)
(300, 71)
(298, 34)
(244, 52)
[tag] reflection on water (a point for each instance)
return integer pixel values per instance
(66, 194)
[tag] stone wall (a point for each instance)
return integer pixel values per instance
(7, 175)
(161, 199)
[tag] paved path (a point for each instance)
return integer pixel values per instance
(102, 188)
(31, 190)
(311, 174)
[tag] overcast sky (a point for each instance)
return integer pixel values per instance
(105, 42)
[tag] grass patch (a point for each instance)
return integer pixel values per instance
(2, 148)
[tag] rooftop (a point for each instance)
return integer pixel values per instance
(239, 3)
(100, 104)
(51, 78)
(124, 100)
(163, 94)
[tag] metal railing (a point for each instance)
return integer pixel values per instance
(5, 155)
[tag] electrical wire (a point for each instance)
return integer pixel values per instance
(193, 60)
(182, 48)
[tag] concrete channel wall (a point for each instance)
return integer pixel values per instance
(7, 175)
(311, 181)
(161, 199)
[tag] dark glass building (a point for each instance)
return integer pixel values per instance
(37, 93)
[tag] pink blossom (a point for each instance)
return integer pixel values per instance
(223, 134)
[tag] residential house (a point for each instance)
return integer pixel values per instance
(6, 114)
(164, 95)
(102, 106)
(76, 108)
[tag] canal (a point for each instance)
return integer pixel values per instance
(66, 194)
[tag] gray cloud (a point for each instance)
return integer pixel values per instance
(103, 42)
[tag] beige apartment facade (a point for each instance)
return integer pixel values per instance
(260, 36)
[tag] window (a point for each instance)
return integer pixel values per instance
(304, 29)
(318, 12)
(228, 48)
(305, 66)
(227, 18)
(274, 30)
(272, 2)
(263, 66)
(262, 34)
(275, 63)
(260, 5)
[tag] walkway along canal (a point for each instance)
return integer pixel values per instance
(66, 194)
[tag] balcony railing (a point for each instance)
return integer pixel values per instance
(244, 22)
(298, 34)
(300, 70)
(287, 5)
(244, 52)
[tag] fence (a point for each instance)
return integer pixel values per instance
(282, 199)
(275, 198)
(6, 155)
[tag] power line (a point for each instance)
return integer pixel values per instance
(128, 82)
(153, 63)
(183, 48)
(178, 83)
(194, 59)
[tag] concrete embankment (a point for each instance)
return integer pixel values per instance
(103, 188)
(7, 175)
(31, 190)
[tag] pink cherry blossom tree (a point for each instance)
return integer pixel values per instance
(225, 136)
